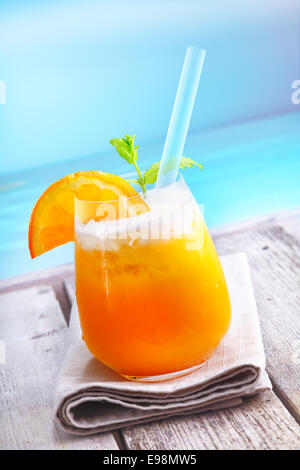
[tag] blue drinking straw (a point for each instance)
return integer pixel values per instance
(181, 116)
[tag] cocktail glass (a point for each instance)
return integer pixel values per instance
(151, 293)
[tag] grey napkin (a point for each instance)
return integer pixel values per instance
(91, 398)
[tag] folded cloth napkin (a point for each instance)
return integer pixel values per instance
(92, 398)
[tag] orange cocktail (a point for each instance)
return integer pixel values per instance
(150, 305)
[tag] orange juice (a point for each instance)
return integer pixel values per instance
(151, 306)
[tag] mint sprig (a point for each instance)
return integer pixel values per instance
(126, 149)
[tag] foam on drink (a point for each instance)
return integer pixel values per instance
(173, 213)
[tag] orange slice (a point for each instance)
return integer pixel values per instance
(52, 219)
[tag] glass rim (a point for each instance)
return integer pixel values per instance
(126, 176)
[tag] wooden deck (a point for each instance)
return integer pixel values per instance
(34, 312)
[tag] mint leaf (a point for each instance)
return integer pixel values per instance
(150, 176)
(126, 149)
(123, 148)
(188, 163)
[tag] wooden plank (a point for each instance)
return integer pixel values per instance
(289, 219)
(41, 276)
(33, 331)
(259, 423)
(291, 224)
(52, 276)
(274, 257)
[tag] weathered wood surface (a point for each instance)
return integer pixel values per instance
(33, 330)
(262, 422)
(274, 258)
(53, 277)
(59, 272)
